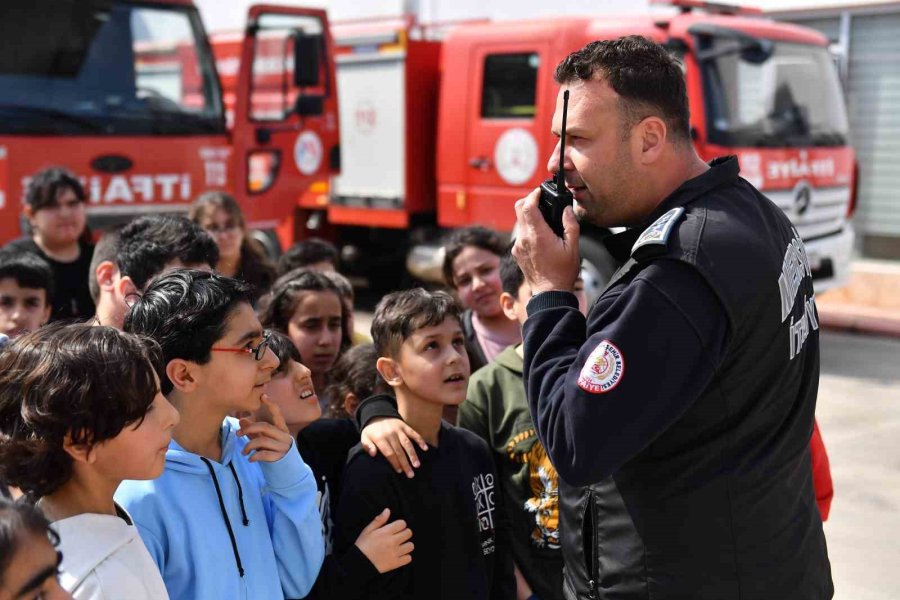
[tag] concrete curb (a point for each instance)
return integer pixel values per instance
(869, 303)
(859, 319)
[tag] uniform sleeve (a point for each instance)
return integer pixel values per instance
(368, 491)
(294, 522)
(600, 392)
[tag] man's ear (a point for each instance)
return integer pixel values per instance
(182, 373)
(351, 402)
(106, 273)
(390, 371)
(508, 304)
(653, 136)
(125, 287)
(83, 453)
(28, 212)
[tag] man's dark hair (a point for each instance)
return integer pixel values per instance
(511, 275)
(17, 521)
(186, 311)
(355, 373)
(28, 270)
(87, 382)
(400, 314)
(476, 236)
(45, 186)
(647, 78)
(279, 306)
(147, 244)
(282, 346)
(307, 252)
(104, 251)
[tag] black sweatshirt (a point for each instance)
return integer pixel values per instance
(324, 446)
(459, 530)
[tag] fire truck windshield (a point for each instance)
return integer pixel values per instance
(786, 94)
(106, 67)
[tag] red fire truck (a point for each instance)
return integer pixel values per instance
(125, 94)
(445, 127)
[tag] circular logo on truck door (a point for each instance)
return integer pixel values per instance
(516, 156)
(308, 152)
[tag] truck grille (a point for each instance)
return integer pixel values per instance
(823, 213)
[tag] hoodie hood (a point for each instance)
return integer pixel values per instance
(89, 539)
(511, 360)
(179, 459)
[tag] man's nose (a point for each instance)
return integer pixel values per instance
(553, 160)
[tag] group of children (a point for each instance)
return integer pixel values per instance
(175, 445)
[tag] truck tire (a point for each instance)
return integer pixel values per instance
(597, 267)
(268, 239)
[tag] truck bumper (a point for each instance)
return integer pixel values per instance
(829, 259)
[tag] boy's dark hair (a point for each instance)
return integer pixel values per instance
(307, 252)
(45, 185)
(477, 236)
(282, 346)
(28, 270)
(511, 275)
(147, 244)
(17, 520)
(105, 250)
(186, 311)
(647, 78)
(400, 314)
(279, 306)
(87, 382)
(354, 372)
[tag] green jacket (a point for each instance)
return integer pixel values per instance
(497, 411)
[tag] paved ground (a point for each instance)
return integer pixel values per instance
(859, 415)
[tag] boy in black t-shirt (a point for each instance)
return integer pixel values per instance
(461, 546)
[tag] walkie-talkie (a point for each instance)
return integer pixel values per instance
(555, 196)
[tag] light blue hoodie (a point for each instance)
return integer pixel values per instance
(187, 518)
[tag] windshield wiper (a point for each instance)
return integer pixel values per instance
(55, 114)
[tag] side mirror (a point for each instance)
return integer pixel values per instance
(307, 50)
(309, 106)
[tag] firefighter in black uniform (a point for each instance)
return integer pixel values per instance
(679, 413)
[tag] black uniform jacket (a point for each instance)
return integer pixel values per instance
(679, 414)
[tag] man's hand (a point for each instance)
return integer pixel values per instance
(548, 262)
(394, 440)
(270, 438)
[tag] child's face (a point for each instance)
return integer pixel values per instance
(63, 221)
(21, 309)
(292, 390)
(514, 306)
(139, 451)
(315, 328)
(236, 380)
(433, 364)
(226, 231)
(476, 277)
(31, 573)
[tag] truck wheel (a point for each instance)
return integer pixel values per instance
(597, 267)
(268, 239)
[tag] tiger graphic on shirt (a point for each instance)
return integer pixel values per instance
(543, 480)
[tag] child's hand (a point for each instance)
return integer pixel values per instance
(269, 437)
(386, 546)
(394, 439)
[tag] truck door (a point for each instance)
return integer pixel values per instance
(285, 113)
(508, 138)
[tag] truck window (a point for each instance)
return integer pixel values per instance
(509, 87)
(107, 67)
(791, 98)
(273, 95)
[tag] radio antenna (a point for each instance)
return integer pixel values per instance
(560, 178)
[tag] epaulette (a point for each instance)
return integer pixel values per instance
(654, 240)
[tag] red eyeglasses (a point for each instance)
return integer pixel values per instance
(258, 352)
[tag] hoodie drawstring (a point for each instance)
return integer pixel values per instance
(240, 494)
(234, 548)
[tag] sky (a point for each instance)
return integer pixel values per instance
(225, 15)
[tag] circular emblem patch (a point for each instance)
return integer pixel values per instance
(516, 156)
(603, 369)
(308, 152)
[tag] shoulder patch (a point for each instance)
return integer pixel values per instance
(603, 369)
(658, 232)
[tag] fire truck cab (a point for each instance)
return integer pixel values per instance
(125, 94)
